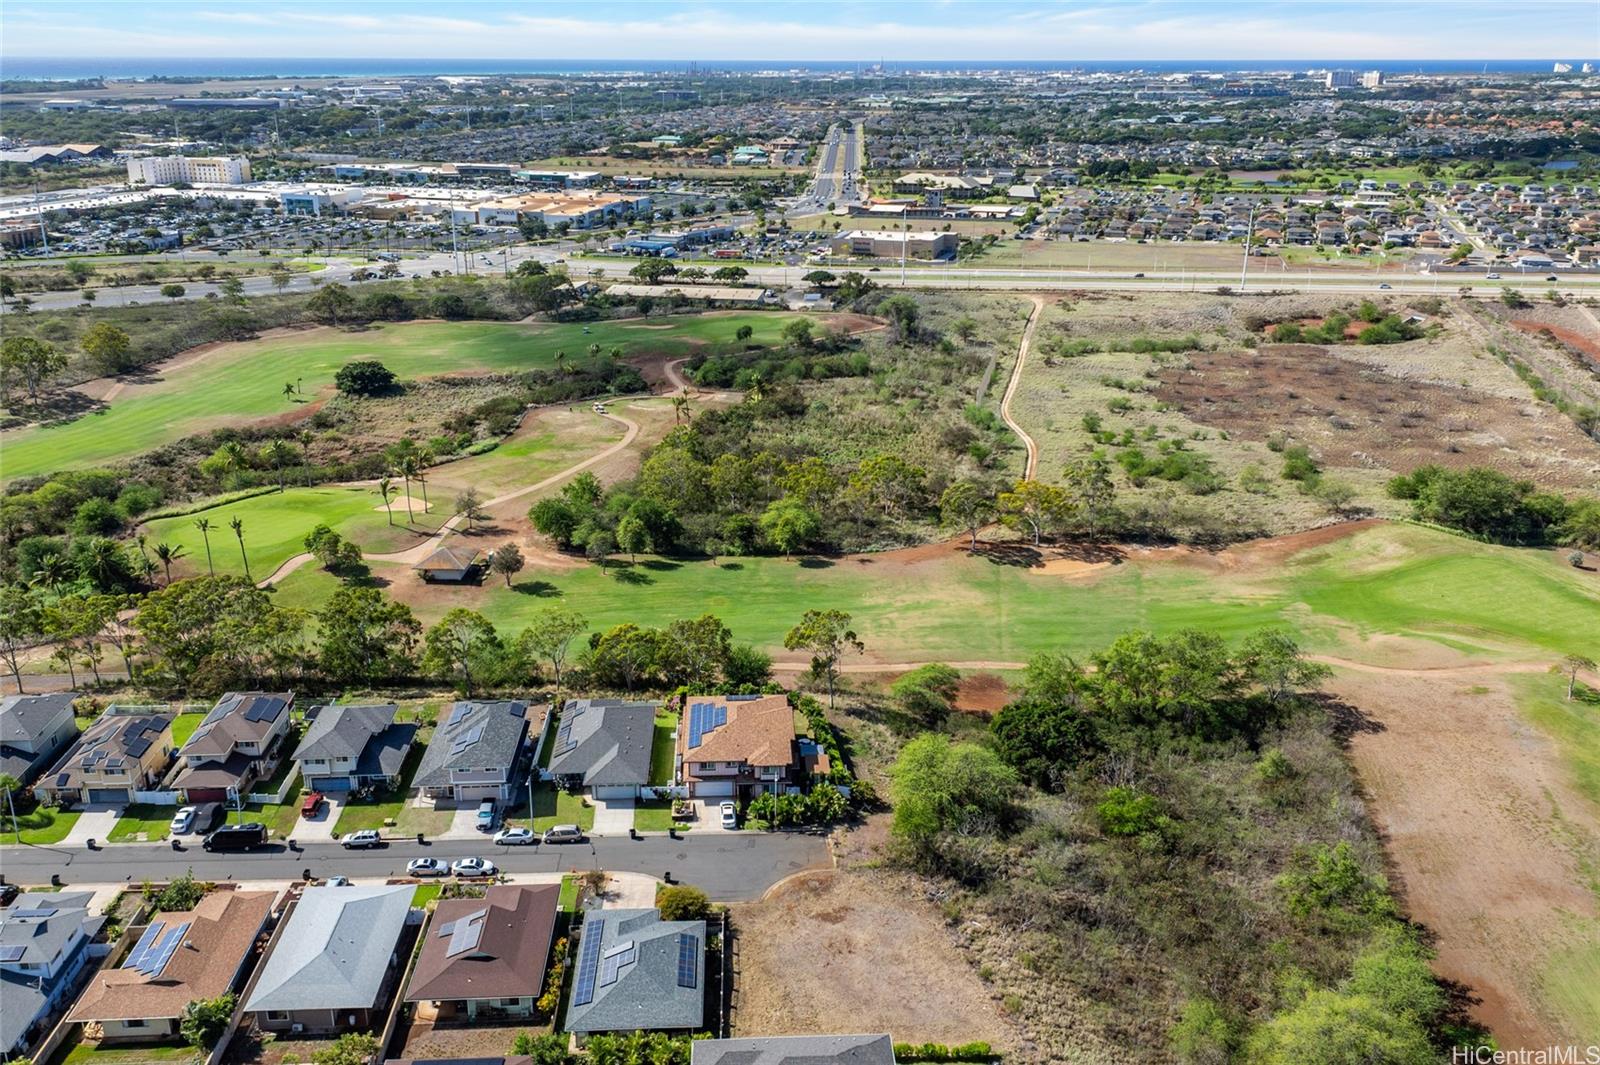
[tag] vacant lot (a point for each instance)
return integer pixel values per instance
(1356, 416)
(221, 384)
(1493, 842)
(857, 951)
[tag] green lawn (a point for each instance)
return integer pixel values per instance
(553, 806)
(42, 824)
(655, 815)
(1399, 579)
(275, 527)
(425, 894)
(245, 380)
(145, 822)
(183, 727)
(550, 441)
(661, 749)
(568, 901)
(396, 804)
(86, 1053)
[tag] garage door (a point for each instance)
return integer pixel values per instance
(207, 794)
(477, 792)
(108, 794)
(331, 784)
(616, 791)
(713, 789)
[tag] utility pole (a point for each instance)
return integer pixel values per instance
(1249, 232)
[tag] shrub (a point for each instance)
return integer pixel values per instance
(1129, 812)
(366, 377)
(683, 902)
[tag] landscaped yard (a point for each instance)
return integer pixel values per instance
(569, 894)
(125, 1055)
(237, 382)
(183, 727)
(425, 894)
(661, 749)
(146, 822)
(42, 824)
(396, 805)
(555, 806)
(655, 815)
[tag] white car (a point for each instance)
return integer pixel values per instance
(339, 881)
(427, 867)
(730, 815)
(367, 837)
(514, 837)
(182, 821)
(473, 867)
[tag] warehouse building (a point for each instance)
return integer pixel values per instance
(883, 244)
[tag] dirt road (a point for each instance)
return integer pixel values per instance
(1031, 468)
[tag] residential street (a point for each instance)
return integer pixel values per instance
(729, 866)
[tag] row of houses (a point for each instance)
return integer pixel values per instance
(326, 960)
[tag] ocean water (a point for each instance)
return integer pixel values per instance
(70, 67)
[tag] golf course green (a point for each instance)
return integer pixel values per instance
(242, 381)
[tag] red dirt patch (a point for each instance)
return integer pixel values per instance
(982, 693)
(1580, 342)
(1356, 416)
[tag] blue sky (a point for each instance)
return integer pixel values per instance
(808, 29)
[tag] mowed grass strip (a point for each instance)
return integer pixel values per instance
(245, 380)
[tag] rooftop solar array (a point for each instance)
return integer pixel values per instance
(37, 913)
(12, 953)
(588, 962)
(742, 698)
(263, 709)
(688, 960)
(467, 738)
(465, 933)
(564, 740)
(704, 718)
(615, 958)
(155, 948)
(459, 711)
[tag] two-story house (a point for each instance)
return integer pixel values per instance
(474, 752)
(351, 747)
(34, 730)
(121, 753)
(44, 943)
(736, 746)
(239, 743)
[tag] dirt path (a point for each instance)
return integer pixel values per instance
(412, 555)
(1031, 468)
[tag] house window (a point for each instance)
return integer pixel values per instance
(277, 1015)
(136, 1023)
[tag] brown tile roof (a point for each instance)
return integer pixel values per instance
(514, 927)
(222, 929)
(238, 717)
(758, 732)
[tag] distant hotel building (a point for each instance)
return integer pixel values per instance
(192, 170)
(1341, 79)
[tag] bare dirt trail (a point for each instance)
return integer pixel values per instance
(1031, 468)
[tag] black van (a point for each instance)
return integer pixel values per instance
(243, 837)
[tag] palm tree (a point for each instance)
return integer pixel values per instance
(141, 539)
(680, 409)
(277, 452)
(103, 562)
(204, 525)
(422, 479)
(386, 489)
(168, 554)
(52, 572)
(288, 390)
(237, 525)
(306, 436)
(561, 358)
(408, 470)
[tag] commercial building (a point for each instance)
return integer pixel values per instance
(576, 210)
(883, 244)
(1372, 79)
(317, 200)
(192, 170)
(1340, 79)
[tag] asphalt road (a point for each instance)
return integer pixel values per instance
(729, 866)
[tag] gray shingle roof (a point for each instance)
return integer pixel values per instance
(34, 940)
(335, 951)
(795, 1050)
(645, 993)
(26, 743)
(238, 717)
(472, 735)
(368, 734)
(604, 741)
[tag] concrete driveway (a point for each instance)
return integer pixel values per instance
(96, 823)
(612, 817)
(320, 825)
(464, 825)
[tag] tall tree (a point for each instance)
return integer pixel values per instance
(21, 622)
(386, 490)
(204, 525)
(365, 637)
(966, 506)
(507, 561)
(549, 636)
(463, 646)
(827, 635)
(168, 554)
(279, 453)
(237, 525)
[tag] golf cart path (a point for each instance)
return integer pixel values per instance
(1030, 470)
(411, 556)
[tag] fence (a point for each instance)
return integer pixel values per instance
(162, 797)
(290, 782)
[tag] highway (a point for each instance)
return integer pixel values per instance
(729, 866)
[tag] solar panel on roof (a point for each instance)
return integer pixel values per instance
(155, 958)
(465, 933)
(135, 958)
(588, 962)
(12, 953)
(262, 710)
(137, 745)
(615, 958)
(37, 913)
(688, 960)
(457, 713)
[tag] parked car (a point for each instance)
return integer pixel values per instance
(207, 815)
(245, 837)
(8, 894)
(514, 837)
(486, 815)
(313, 804)
(730, 815)
(182, 821)
(339, 881)
(1386, 286)
(366, 837)
(473, 867)
(563, 834)
(1552, 277)
(427, 867)
(1491, 277)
